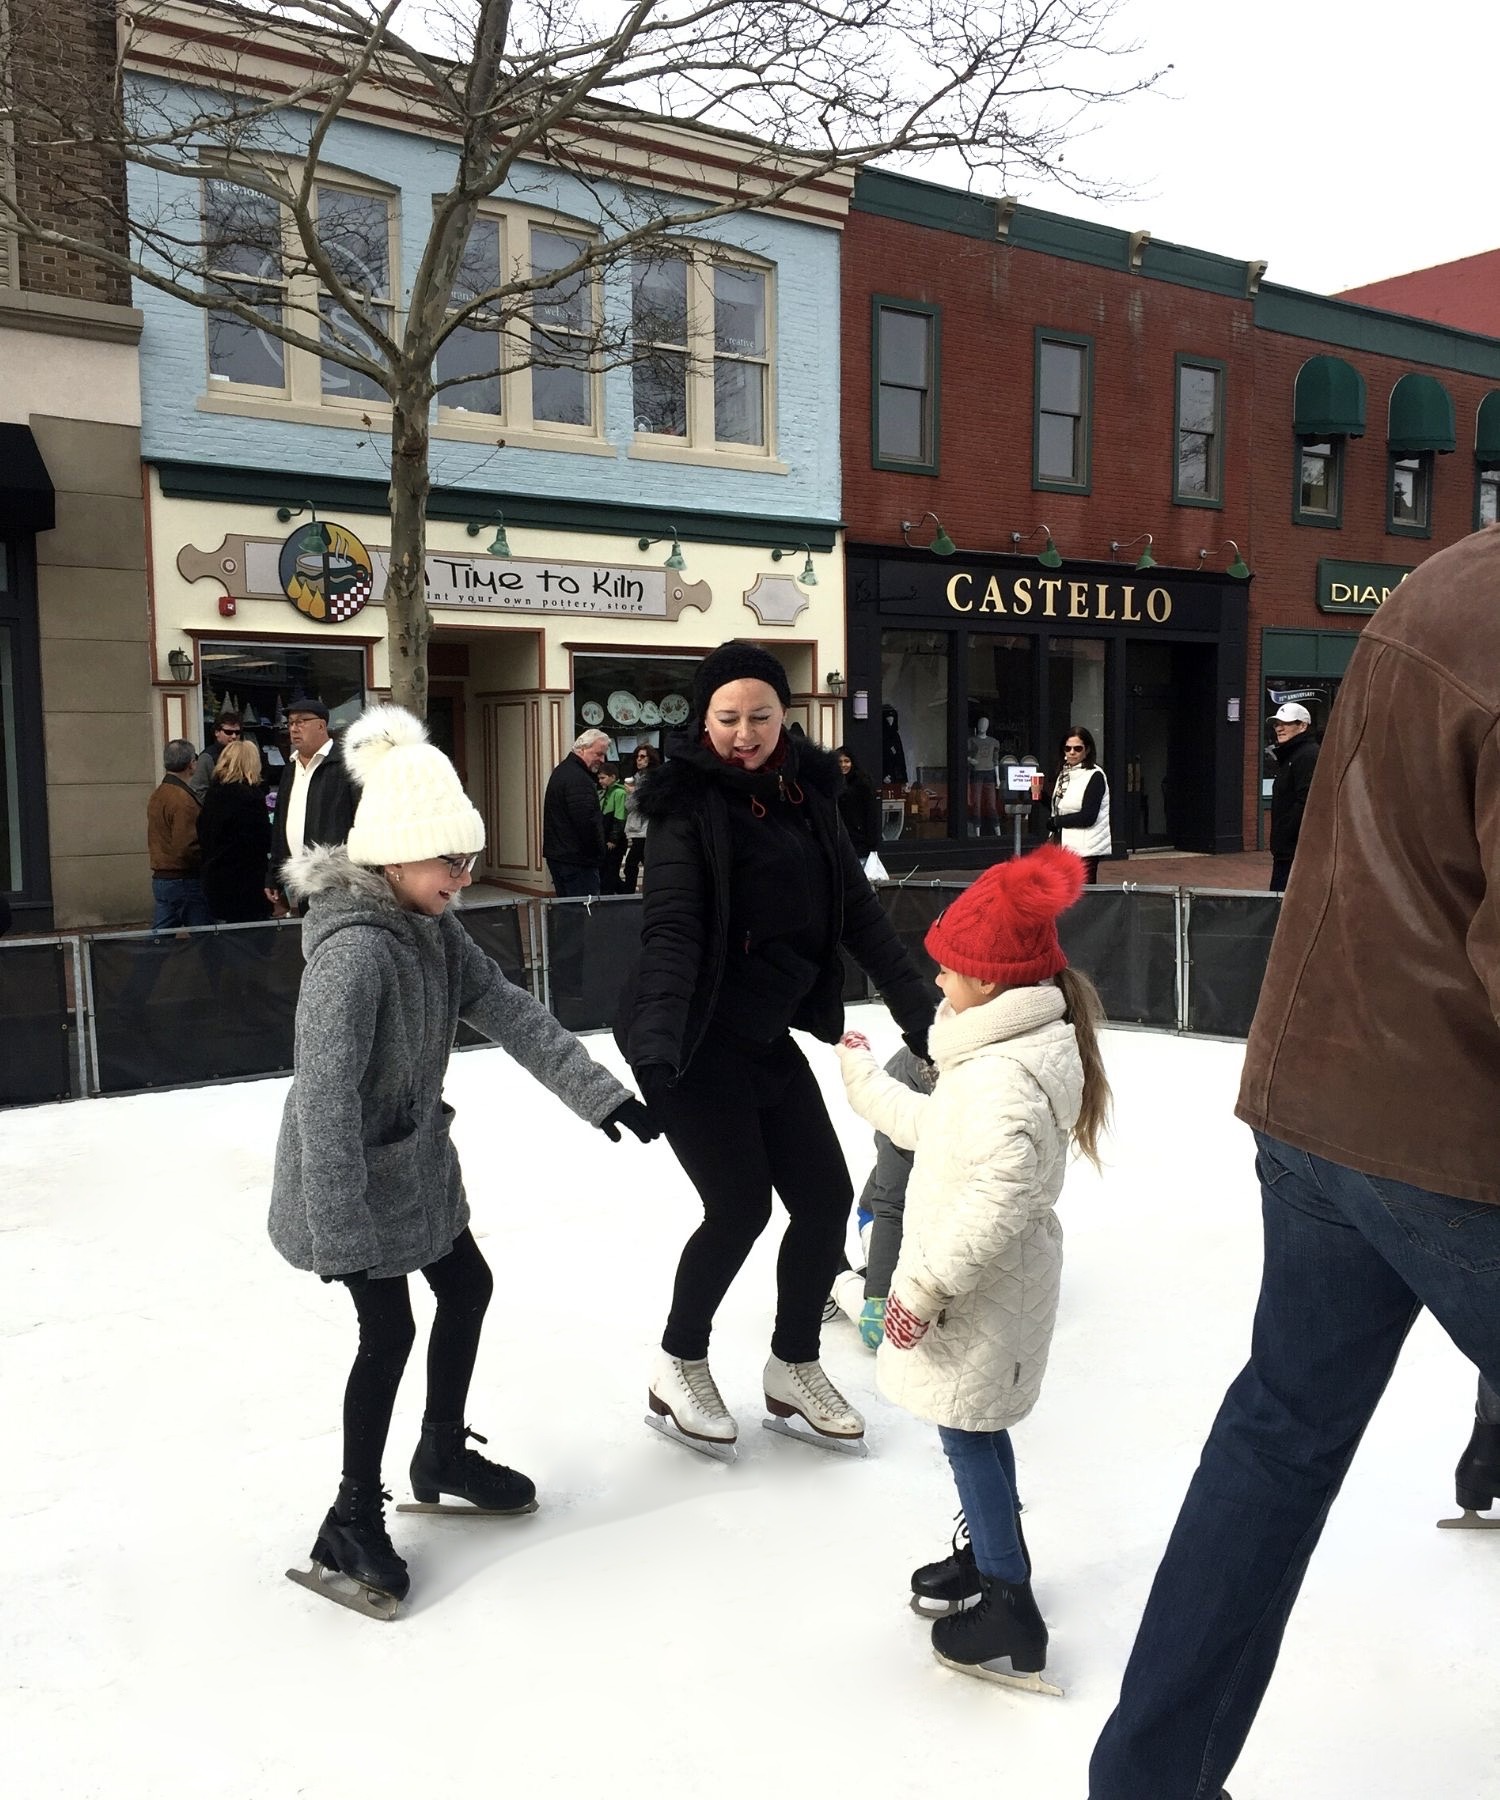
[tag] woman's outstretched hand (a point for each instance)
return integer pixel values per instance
(636, 1118)
(854, 1040)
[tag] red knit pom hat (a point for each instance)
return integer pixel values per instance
(1004, 927)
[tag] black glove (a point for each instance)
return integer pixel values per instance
(916, 1042)
(634, 1117)
(654, 1079)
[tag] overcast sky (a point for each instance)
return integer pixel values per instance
(1340, 140)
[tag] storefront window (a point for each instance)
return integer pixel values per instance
(636, 699)
(257, 681)
(10, 794)
(1000, 690)
(1075, 692)
(914, 726)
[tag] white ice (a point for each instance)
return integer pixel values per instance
(663, 1626)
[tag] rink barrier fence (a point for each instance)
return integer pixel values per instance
(127, 1012)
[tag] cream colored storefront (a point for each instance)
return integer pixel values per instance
(565, 631)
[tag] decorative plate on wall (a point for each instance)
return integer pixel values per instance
(591, 712)
(674, 709)
(650, 713)
(623, 707)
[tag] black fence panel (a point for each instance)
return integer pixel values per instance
(912, 909)
(194, 1006)
(1125, 941)
(501, 932)
(1228, 941)
(591, 948)
(35, 1056)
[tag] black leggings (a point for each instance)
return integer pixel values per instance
(462, 1283)
(746, 1118)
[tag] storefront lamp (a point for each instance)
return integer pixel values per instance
(287, 513)
(1144, 561)
(501, 544)
(835, 682)
(1048, 556)
(674, 560)
(809, 575)
(181, 665)
(1238, 570)
(941, 545)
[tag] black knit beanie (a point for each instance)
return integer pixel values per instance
(735, 661)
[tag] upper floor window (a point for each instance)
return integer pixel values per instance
(1320, 481)
(1060, 438)
(562, 330)
(1328, 408)
(354, 232)
(243, 253)
(1488, 510)
(1411, 493)
(701, 351)
(905, 386)
(1199, 473)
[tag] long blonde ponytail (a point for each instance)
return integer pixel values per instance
(1084, 1011)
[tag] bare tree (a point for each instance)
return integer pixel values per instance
(224, 124)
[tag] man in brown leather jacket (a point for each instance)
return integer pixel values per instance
(1372, 1083)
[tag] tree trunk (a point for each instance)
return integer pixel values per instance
(408, 622)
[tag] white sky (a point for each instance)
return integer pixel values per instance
(1342, 140)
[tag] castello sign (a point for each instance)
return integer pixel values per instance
(1023, 597)
(1059, 597)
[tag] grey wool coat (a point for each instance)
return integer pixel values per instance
(366, 1175)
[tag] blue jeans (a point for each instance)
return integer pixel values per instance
(178, 901)
(984, 1472)
(1350, 1260)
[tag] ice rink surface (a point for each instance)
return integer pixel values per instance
(663, 1626)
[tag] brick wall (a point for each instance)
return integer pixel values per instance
(63, 70)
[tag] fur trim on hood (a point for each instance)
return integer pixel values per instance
(678, 786)
(326, 869)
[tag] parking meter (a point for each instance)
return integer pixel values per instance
(1024, 782)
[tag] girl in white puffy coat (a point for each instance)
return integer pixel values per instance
(969, 1318)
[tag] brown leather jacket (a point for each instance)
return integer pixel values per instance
(1376, 1041)
(172, 828)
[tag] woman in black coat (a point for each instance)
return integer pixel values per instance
(859, 805)
(752, 887)
(234, 831)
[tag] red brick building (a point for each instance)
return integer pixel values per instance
(1464, 294)
(1092, 480)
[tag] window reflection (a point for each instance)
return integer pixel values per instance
(914, 728)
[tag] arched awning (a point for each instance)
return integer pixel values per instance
(1487, 433)
(1421, 417)
(1329, 400)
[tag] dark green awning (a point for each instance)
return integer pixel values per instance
(26, 498)
(1421, 417)
(1487, 437)
(1330, 399)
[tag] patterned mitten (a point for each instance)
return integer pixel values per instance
(872, 1324)
(902, 1328)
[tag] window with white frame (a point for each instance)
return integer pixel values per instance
(562, 329)
(469, 360)
(251, 254)
(701, 352)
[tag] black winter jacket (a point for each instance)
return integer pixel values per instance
(331, 800)
(859, 808)
(1298, 759)
(234, 829)
(707, 869)
(572, 824)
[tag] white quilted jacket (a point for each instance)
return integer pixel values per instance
(981, 1253)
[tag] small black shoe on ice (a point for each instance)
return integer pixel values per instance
(946, 1586)
(353, 1540)
(1477, 1477)
(1005, 1623)
(442, 1465)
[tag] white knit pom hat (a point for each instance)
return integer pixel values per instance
(411, 805)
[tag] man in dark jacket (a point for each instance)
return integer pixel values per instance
(572, 824)
(172, 844)
(1296, 752)
(316, 799)
(1370, 1082)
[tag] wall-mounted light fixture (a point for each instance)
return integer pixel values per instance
(287, 513)
(809, 575)
(674, 559)
(501, 544)
(1048, 556)
(835, 682)
(1144, 561)
(1238, 570)
(941, 545)
(181, 665)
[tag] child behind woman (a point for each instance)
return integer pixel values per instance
(969, 1317)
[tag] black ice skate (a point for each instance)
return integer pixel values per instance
(442, 1465)
(948, 1586)
(353, 1546)
(1477, 1481)
(1005, 1627)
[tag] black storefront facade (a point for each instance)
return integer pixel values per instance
(959, 666)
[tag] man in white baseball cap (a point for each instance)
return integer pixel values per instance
(1296, 754)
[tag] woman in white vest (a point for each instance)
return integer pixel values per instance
(1080, 802)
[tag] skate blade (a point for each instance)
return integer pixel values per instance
(1027, 1684)
(714, 1450)
(800, 1432)
(1469, 1520)
(927, 1608)
(461, 1509)
(372, 1603)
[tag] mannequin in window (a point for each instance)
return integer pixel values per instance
(984, 776)
(892, 750)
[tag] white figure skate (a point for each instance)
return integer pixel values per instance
(805, 1405)
(688, 1409)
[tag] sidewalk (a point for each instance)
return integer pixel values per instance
(1249, 870)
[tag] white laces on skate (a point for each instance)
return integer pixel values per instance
(815, 1386)
(700, 1383)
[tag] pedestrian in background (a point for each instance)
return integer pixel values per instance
(234, 830)
(227, 730)
(172, 844)
(572, 824)
(612, 803)
(315, 799)
(647, 757)
(1296, 753)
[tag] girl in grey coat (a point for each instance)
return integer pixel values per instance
(367, 1188)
